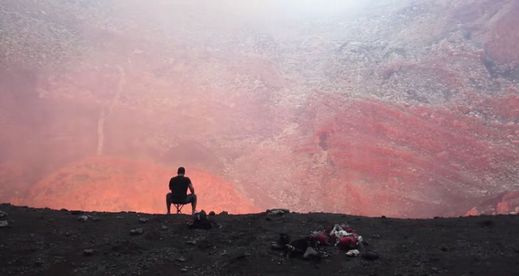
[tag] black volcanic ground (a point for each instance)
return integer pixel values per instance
(49, 242)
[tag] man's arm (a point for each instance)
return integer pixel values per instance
(191, 189)
(171, 184)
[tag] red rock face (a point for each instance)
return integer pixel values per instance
(428, 158)
(397, 108)
(369, 157)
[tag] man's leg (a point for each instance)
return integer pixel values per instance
(192, 198)
(168, 203)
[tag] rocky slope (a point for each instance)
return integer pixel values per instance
(403, 108)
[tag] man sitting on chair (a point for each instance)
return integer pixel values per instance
(178, 186)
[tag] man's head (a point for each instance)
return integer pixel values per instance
(181, 170)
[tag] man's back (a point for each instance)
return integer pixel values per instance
(178, 186)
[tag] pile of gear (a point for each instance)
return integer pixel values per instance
(314, 245)
(201, 221)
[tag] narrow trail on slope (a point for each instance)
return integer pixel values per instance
(105, 112)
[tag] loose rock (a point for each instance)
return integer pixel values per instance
(310, 252)
(83, 218)
(143, 220)
(88, 252)
(136, 231)
(353, 253)
(3, 214)
(370, 256)
(3, 223)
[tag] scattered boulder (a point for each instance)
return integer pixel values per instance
(3, 223)
(370, 256)
(353, 253)
(143, 220)
(3, 214)
(88, 252)
(136, 231)
(82, 218)
(310, 252)
(181, 259)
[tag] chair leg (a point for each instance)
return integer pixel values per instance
(179, 208)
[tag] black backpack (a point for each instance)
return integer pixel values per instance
(200, 221)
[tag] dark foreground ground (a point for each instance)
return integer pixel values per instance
(49, 242)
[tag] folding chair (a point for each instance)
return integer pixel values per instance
(178, 207)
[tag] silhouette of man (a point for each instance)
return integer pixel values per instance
(178, 186)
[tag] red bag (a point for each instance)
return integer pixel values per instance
(348, 242)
